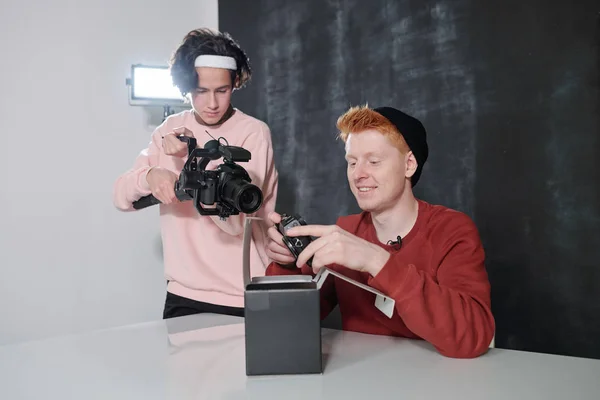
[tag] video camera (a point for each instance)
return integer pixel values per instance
(228, 186)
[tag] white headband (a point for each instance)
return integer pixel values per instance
(207, 60)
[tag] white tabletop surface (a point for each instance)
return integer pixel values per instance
(202, 357)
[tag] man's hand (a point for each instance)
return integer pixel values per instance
(337, 246)
(172, 146)
(276, 249)
(162, 184)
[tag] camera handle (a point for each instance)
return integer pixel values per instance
(180, 194)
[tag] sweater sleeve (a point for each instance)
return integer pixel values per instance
(448, 306)
(327, 292)
(132, 185)
(263, 174)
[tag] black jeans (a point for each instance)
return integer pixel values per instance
(177, 306)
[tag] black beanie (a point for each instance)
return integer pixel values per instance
(414, 134)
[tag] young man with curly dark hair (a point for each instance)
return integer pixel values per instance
(203, 254)
(426, 257)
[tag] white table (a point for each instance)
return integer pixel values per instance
(202, 357)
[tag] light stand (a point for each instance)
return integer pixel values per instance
(167, 110)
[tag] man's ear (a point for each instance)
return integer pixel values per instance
(411, 164)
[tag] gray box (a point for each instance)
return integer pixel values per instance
(283, 326)
(283, 318)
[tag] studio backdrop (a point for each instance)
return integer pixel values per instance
(509, 95)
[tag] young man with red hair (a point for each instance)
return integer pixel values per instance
(428, 258)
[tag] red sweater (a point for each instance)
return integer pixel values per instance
(437, 278)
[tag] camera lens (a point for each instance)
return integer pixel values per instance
(244, 196)
(250, 199)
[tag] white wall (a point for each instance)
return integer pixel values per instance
(69, 261)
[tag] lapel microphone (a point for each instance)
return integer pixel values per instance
(398, 241)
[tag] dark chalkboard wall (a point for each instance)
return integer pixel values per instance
(509, 93)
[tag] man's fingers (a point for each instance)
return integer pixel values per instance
(277, 242)
(284, 252)
(324, 256)
(279, 254)
(172, 145)
(274, 217)
(274, 235)
(167, 144)
(311, 230)
(280, 249)
(162, 197)
(286, 260)
(310, 251)
(165, 193)
(278, 258)
(172, 141)
(183, 130)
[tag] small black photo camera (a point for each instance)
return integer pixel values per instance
(296, 244)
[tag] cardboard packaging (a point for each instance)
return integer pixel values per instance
(283, 321)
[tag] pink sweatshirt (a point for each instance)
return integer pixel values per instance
(202, 254)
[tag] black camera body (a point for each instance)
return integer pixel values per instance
(296, 244)
(228, 187)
